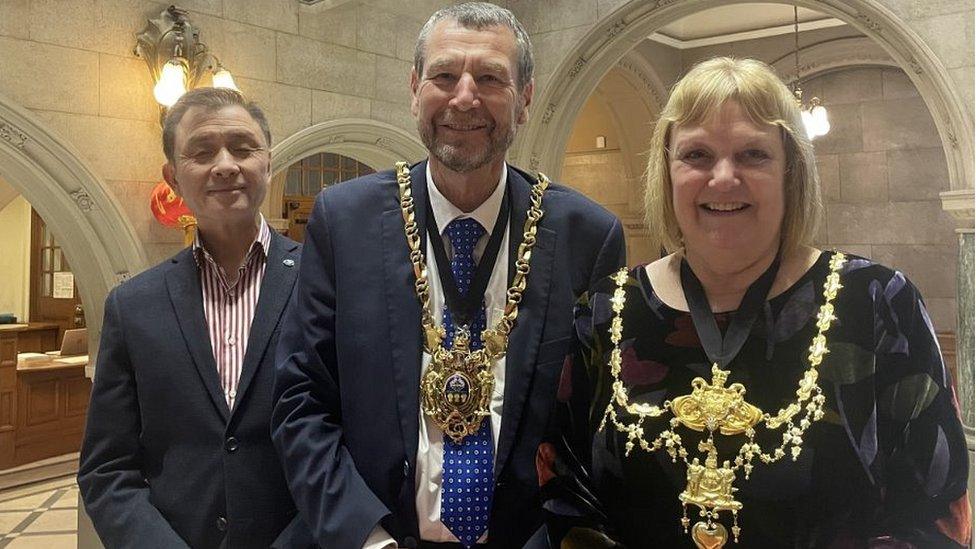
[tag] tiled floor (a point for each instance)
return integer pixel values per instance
(42, 516)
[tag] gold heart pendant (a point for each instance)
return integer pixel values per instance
(709, 538)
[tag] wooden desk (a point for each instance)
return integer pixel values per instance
(42, 404)
(33, 337)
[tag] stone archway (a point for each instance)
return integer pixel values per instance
(376, 144)
(97, 238)
(544, 138)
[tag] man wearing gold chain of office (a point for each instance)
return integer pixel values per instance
(432, 315)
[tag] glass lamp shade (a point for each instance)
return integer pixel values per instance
(808, 124)
(819, 115)
(172, 83)
(223, 79)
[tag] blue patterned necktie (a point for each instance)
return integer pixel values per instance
(468, 477)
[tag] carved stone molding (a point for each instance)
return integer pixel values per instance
(577, 67)
(83, 200)
(616, 28)
(870, 23)
(892, 40)
(549, 112)
(376, 144)
(959, 204)
(12, 134)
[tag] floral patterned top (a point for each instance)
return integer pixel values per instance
(885, 467)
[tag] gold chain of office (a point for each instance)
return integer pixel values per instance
(714, 407)
(457, 386)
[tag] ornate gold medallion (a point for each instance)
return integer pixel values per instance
(456, 388)
(716, 409)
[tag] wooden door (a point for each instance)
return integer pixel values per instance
(53, 293)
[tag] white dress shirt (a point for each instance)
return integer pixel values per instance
(430, 447)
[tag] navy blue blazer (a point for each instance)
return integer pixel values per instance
(348, 375)
(164, 462)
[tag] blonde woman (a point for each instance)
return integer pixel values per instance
(746, 352)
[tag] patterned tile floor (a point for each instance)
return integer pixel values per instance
(40, 516)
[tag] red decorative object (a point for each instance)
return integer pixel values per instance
(168, 208)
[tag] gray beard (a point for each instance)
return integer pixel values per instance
(457, 161)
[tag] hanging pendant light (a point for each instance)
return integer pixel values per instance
(814, 114)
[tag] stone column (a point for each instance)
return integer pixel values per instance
(960, 205)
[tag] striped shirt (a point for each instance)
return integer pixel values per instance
(229, 309)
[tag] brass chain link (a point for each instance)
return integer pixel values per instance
(495, 339)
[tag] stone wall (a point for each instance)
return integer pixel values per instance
(882, 168)
(71, 63)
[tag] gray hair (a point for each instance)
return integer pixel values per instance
(210, 99)
(479, 16)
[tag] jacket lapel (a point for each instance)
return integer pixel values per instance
(403, 309)
(183, 284)
(276, 287)
(523, 343)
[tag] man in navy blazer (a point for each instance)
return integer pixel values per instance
(177, 451)
(366, 465)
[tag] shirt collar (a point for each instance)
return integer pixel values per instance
(262, 242)
(486, 214)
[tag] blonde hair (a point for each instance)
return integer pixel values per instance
(766, 100)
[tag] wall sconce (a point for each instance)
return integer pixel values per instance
(178, 61)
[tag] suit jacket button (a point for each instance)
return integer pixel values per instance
(409, 542)
(406, 468)
(222, 524)
(231, 444)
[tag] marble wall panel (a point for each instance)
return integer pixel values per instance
(312, 64)
(406, 38)
(917, 174)
(336, 25)
(888, 223)
(417, 10)
(547, 15)
(377, 32)
(397, 114)
(392, 80)
(288, 108)
(930, 8)
(828, 167)
(330, 106)
(116, 148)
(897, 85)
(106, 26)
(69, 23)
(897, 124)
(931, 267)
(248, 51)
(125, 88)
(42, 76)
(863, 177)
(606, 7)
(850, 86)
(551, 47)
(942, 311)
(133, 194)
(209, 7)
(600, 176)
(863, 250)
(845, 130)
(271, 14)
(963, 78)
(950, 36)
(13, 14)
